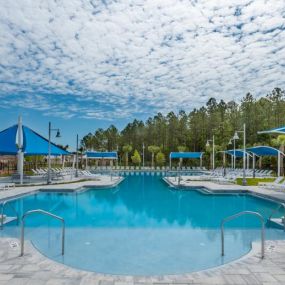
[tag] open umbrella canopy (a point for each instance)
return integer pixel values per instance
(33, 143)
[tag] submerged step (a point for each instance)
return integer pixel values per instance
(7, 220)
(276, 222)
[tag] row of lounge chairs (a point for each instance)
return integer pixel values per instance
(238, 172)
(163, 168)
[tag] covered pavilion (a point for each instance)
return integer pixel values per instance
(188, 155)
(260, 151)
(98, 155)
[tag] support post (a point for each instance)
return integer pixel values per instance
(143, 154)
(213, 152)
(224, 163)
(244, 156)
(76, 171)
(234, 155)
(279, 164)
(20, 154)
(253, 165)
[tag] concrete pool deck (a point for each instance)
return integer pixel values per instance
(218, 188)
(102, 181)
(35, 269)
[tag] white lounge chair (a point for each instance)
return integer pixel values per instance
(7, 186)
(277, 181)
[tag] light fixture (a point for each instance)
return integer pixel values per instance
(58, 134)
(236, 137)
(207, 144)
(230, 142)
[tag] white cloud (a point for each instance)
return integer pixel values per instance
(119, 59)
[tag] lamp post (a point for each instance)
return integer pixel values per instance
(143, 147)
(213, 150)
(49, 149)
(244, 152)
(234, 138)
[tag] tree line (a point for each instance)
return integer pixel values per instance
(189, 131)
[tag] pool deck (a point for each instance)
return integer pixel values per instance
(99, 182)
(218, 188)
(35, 269)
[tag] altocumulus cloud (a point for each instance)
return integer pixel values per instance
(114, 59)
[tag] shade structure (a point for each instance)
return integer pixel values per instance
(33, 143)
(185, 155)
(102, 155)
(280, 130)
(189, 155)
(264, 150)
(236, 153)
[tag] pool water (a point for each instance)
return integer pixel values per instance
(142, 227)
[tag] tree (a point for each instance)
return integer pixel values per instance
(126, 150)
(160, 158)
(192, 129)
(136, 158)
(153, 149)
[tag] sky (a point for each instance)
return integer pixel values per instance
(84, 64)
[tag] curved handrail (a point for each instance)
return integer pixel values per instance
(236, 216)
(2, 212)
(39, 211)
(276, 210)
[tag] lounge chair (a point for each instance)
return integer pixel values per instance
(7, 186)
(277, 182)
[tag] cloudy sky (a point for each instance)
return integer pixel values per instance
(87, 63)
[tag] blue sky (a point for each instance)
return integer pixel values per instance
(84, 64)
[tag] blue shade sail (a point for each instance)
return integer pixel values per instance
(186, 155)
(8, 141)
(33, 143)
(102, 155)
(263, 150)
(280, 130)
(237, 152)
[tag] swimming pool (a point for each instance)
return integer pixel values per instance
(142, 227)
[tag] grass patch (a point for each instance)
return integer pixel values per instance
(254, 181)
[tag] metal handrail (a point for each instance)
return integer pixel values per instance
(2, 212)
(276, 210)
(236, 216)
(39, 211)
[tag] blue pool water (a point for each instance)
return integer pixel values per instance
(142, 227)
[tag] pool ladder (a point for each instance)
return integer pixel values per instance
(276, 221)
(2, 213)
(39, 211)
(230, 218)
